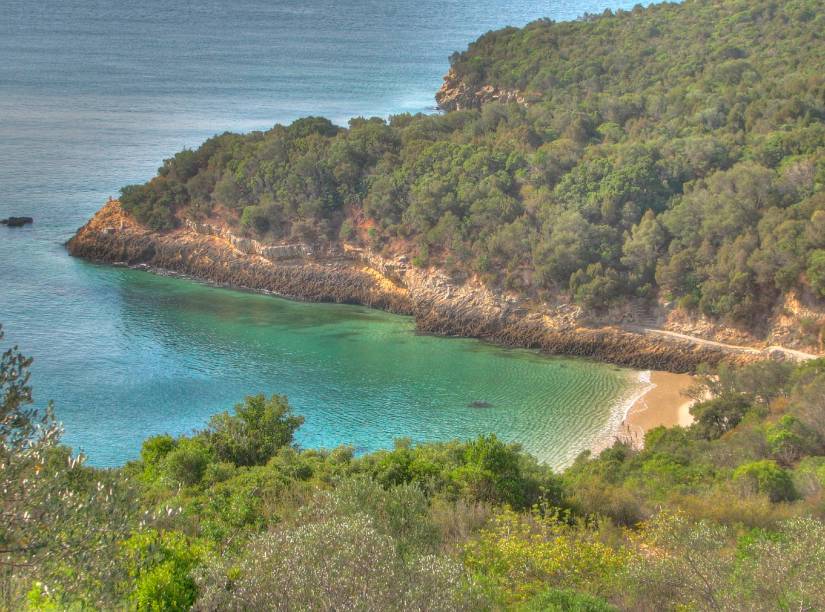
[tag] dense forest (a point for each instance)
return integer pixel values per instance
(673, 152)
(723, 515)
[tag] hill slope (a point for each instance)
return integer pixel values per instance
(663, 165)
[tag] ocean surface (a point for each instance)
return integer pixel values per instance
(95, 93)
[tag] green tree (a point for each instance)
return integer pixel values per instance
(257, 430)
(642, 249)
(816, 271)
(716, 417)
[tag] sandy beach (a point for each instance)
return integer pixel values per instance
(663, 404)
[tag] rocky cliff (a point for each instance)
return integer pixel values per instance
(440, 305)
(455, 94)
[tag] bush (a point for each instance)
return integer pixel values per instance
(401, 511)
(565, 600)
(681, 564)
(255, 433)
(519, 556)
(155, 203)
(337, 563)
(790, 439)
(160, 565)
(187, 463)
(255, 218)
(766, 477)
(491, 472)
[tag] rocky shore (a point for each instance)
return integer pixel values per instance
(350, 275)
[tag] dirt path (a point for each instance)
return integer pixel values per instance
(734, 348)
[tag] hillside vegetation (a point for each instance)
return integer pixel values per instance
(672, 152)
(723, 515)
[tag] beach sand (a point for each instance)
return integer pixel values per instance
(664, 404)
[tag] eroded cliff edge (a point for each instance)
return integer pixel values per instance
(455, 94)
(348, 275)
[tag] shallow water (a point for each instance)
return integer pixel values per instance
(95, 93)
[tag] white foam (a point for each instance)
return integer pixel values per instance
(621, 410)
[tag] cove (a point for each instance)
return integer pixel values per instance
(179, 351)
(93, 99)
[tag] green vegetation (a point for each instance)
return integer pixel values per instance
(674, 151)
(724, 515)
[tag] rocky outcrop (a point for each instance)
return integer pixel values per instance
(350, 275)
(455, 94)
(250, 246)
(113, 237)
(16, 221)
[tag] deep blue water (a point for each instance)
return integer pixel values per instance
(94, 94)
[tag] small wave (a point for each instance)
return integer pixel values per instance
(621, 410)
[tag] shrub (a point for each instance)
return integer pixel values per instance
(491, 472)
(255, 218)
(766, 477)
(520, 555)
(337, 563)
(789, 439)
(566, 600)
(160, 564)
(255, 432)
(401, 511)
(187, 463)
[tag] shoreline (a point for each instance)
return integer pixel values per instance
(438, 305)
(661, 403)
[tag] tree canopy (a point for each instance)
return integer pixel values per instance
(673, 151)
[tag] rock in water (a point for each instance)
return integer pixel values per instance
(16, 221)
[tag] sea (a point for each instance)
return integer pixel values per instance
(94, 94)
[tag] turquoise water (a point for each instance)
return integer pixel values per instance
(95, 93)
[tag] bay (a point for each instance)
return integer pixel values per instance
(95, 93)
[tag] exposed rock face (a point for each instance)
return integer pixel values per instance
(440, 306)
(113, 237)
(455, 94)
(250, 246)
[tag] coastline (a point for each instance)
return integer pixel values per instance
(661, 403)
(439, 305)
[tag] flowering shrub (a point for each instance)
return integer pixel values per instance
(519, 555)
